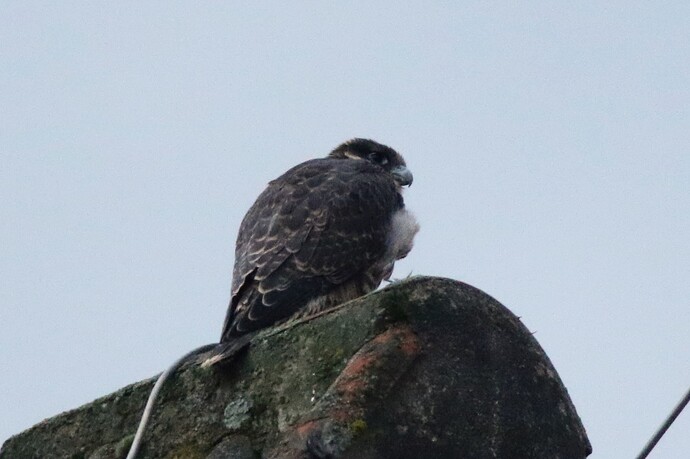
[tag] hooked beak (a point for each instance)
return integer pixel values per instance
(402, 175)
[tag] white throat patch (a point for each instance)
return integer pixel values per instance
(404, 227)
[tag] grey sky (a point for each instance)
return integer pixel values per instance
(550, 144)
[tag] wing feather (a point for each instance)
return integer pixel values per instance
(319, 224)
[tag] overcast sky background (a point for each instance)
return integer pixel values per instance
(550, 144)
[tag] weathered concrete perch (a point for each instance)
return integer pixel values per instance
(426, 368)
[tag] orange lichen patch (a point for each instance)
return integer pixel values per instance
(349, 390)
(398, 344)
(401, 337)
(387, 336)
(358, 364)
(344, 414)
(368, 377)
(409, 343)
(303, 430)
(356, 377)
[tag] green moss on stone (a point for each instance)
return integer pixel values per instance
(188, 451)
(358, 426)
(395, 304)
(122, 447)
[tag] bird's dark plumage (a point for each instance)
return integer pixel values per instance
(326, 231)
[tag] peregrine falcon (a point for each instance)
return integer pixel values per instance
(326, 231)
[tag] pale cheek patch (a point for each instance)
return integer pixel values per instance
(404, 227)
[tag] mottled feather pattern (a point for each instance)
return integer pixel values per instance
(317, 228)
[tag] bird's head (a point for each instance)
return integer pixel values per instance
(381, 155)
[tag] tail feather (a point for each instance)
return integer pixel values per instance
(225, 352)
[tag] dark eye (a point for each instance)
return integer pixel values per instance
(378, 158)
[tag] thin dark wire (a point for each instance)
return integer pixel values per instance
(664, 427)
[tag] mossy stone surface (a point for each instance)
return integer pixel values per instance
(425, 368)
